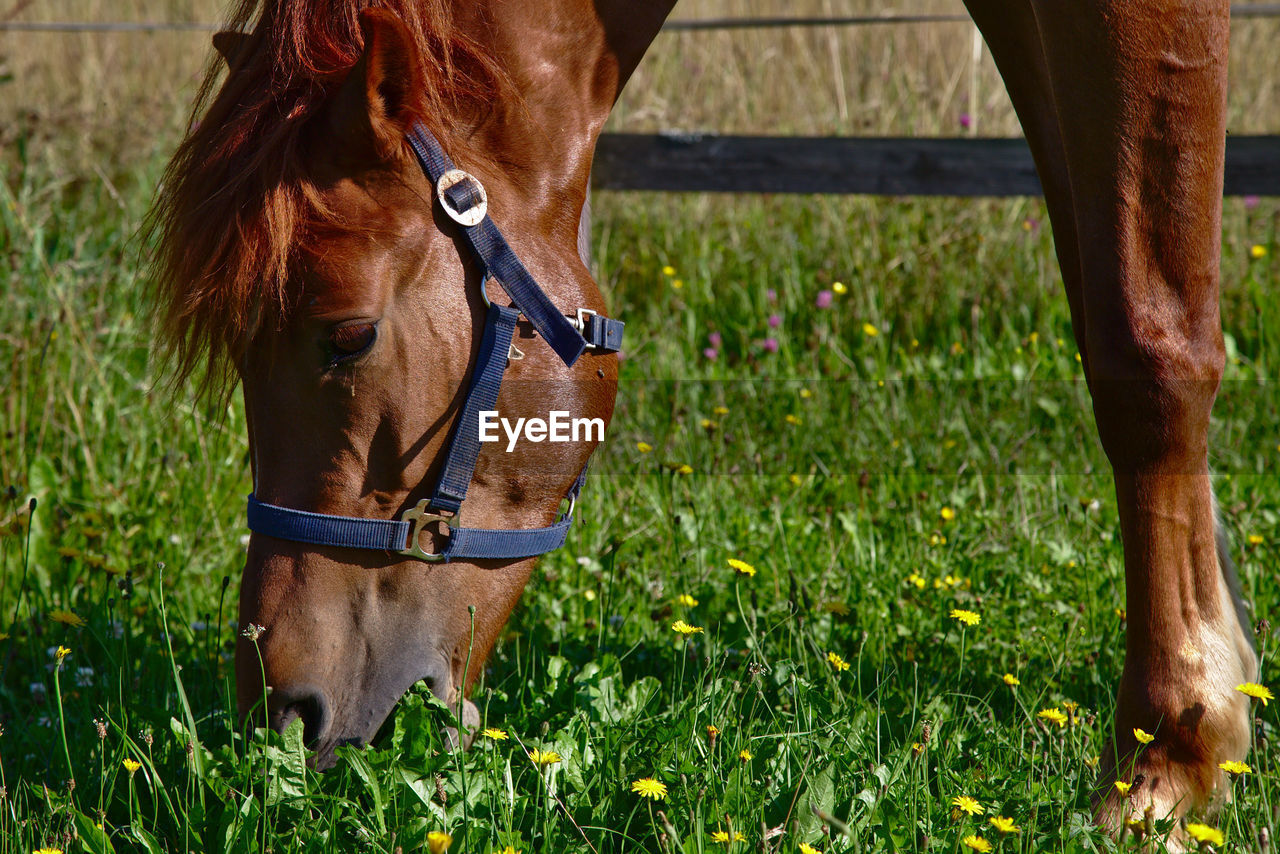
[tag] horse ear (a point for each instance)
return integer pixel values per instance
(228, 44)
(390, 72)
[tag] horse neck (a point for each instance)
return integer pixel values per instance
(568, 61)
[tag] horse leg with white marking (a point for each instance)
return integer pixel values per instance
(1124, 108)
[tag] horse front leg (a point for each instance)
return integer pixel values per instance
(1124, 107)
(1140, 92)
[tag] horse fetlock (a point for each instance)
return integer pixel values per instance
(1178, 717)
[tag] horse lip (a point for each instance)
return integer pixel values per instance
(326, 756)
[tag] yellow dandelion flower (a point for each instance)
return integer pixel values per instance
(647, 787)
(668, 270)
(1205, 835)
(681, 627)
(794, 479)
(1092, 761)
(742, 567)
(976, 843)
(685, 469)
(1256, 691)
(1070, 706)
(1122, 787)
(677, 283)
(688, 601)
(438, 842)
(544, 757)
(916, 579)
(969, 618)
(47, 851)
(805, 847)
(836, 662)
(496, 734)
(840, 287)
(869, 330)
(966, 804)
(1005, 825)
(721, 411)
(1257, 250)
(1053, 716)
(1143, 736)
(1011, 680)
(66, 618)
(644, 447)
(1256, 539)
(723, 838)
(793, 420)
(131, 766)
(712, 730)
(1234, 767)
(60, 653)
(745, 755)
(708, 424)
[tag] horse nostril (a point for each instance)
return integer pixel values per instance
(313, 710)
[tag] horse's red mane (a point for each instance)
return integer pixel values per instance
(237, 199)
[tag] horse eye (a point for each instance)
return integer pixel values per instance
(347, 342)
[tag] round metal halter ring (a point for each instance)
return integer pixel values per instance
(472, 215)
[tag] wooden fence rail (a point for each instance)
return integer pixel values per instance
(875, 166)
(890, 166)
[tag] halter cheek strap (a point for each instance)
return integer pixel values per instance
(464, 200)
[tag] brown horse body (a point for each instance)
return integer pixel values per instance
(301, 246)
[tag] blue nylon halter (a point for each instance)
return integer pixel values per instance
(464, 200)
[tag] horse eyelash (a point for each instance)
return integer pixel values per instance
(338, 357)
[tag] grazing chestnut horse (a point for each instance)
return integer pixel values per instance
(318, 241)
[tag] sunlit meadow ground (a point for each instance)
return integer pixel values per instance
(913, 441)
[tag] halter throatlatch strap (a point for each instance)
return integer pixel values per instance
(464, 199)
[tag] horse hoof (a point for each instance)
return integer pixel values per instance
(1189, 706)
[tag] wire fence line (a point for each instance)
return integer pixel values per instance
(1243, 11)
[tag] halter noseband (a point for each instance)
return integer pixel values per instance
(464, 200)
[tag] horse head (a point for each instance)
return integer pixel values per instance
(303, 242)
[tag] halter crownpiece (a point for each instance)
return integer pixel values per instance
(464, 200)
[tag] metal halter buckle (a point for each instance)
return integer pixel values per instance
(580, 322)
(418, 519)
(472, 215)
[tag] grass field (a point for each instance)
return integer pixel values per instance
(921, 444)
